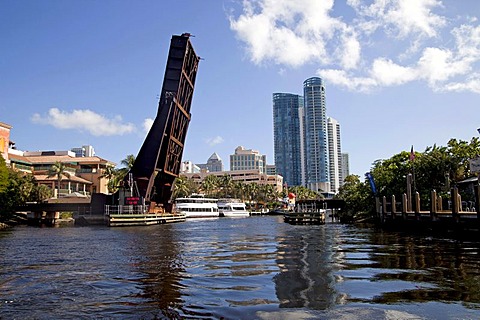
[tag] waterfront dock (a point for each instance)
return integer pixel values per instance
(138, 215)
(306, 212)
(408, 211)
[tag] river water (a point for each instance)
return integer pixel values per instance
(245, 268)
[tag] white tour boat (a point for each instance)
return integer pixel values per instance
(232, 208)
(197, 206)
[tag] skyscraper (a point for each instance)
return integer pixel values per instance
(334, 155)
(288, 137)
(316, 144)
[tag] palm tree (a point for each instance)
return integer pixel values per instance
(226, 183)
(209, 184)
(183, 187)
(251, 191)
(111, 174)
(127, 164)
(239, 189)
(58, 169)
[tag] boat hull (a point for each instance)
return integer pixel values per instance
(234, 214)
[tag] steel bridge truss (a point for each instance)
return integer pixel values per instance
(158, 161)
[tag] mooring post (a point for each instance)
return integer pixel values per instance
(417, 205)
(404, 206)
(433, 207)
(378, 207)
(476, 189)
(394, 207)
(409, 192)
(384, 203)
(455, 210)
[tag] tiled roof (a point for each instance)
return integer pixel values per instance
(44, 177)
(17, 158)
(67, 159)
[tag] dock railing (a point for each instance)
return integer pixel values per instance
(389, 209)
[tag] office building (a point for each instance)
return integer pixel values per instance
(214, 163)
(271, 169)
(288, 137)
(248, 159)
(84, 151)
(189, 167)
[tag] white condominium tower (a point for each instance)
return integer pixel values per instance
(334, 155)
(316, 147)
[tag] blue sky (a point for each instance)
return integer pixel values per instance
(397, 73)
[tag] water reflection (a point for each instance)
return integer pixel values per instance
(306, 259)
(388, 268)
(155, 253)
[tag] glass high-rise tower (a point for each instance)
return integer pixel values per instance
(316, 143)
(288, 137)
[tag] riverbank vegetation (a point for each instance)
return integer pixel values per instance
(17, 188)
(437, 168)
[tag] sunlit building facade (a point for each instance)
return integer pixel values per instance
(334, 155)
(316, 139)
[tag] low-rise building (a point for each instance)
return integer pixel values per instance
(85, 175)
(245, 176)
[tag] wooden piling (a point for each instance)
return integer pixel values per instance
(455, 209)
(417, 205)
(394, 207)
(477, 200)
(404, 206)
(433, 205)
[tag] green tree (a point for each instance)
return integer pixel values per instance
(357, 196)
(183, 187)
(112, 175)
(21, 188)
(225, 184)
(3, 175)
(210, 184)
(251, 191)
(43, 193)
(58, 170)
(303, 193)
(127, 164)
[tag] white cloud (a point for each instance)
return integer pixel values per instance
(472, 85)
(214, 141)
(147, 124)
(387, 73)
(286, 32)
(399, 18)
(84, 120)
(384, 43)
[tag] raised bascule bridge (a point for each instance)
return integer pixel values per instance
(148, 185)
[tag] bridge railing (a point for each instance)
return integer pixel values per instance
(125, 209)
